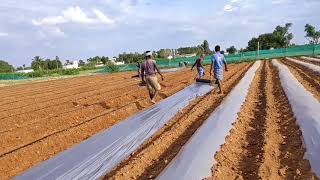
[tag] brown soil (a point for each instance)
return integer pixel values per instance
(153, 156)
(30, 135)
(309, 79)
(309, 61)
(265, 142)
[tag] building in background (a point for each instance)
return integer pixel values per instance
(114, 61)
(71, 65)
(25, 71)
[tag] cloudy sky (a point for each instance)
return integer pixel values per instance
(78, 29)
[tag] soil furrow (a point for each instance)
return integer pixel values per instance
(27, 156)
(309, 80)
(265, 142)
(152, 157)
(112, 100)
(309, 61)
(63, 93)
(36, 131)
(69, 101)
(54, 85)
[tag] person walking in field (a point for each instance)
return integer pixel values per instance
(217, 63)
(200, 67)
(149, 69)
(139, 69)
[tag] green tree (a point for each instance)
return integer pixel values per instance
(231, 50)
(104, 60)
(164, 53)
(279, 38)
(81, 63)
(5, 67)
(311, 34)
(54, 64)
(205, 47)
(37, 63)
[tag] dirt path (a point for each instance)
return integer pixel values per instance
(309, 79)
(265, 141)
(153, 156)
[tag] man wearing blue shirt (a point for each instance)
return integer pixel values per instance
(217, 64)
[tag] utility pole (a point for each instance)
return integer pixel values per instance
(258, 48)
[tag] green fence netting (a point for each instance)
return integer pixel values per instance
(304, 50)
(10, 76)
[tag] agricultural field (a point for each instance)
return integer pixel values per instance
(267, 138)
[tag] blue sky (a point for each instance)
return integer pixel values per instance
(78, 29)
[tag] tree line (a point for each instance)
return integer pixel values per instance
(280, 38)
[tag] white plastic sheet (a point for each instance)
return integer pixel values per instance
(196, 158)
(100, 153)
(311, 59)
(307, 65)
(170, 70)
(306, 109)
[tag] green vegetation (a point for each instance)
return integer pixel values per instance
(5, 67)
(311, 34)
(231, 50)
(279, 38)
(38, 64)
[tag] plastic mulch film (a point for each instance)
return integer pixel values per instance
(102, 152)
(306, 109)
(312, 67)
(195, 159)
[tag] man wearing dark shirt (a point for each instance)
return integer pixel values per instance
(200, 67)
(149, 70)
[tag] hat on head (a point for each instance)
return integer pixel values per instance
(148, 53)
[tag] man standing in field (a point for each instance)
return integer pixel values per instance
(149, 70)
(217, 63)
(200, 67)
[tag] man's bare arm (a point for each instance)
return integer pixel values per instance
(194, 65)
(211, 68)
(225, 65)
(158, 70)
(142, 74)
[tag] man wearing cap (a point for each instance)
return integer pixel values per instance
(149, 70)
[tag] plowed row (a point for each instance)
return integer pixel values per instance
(42, 119)
(39, 120)
(265, 142)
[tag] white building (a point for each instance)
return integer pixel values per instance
(71, 65)
(113, 60)
(25, 71)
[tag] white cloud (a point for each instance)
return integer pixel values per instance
(75, 15)
(229, 7)
(3, 34)
(237, 4)
(50, 21)
(102, 17)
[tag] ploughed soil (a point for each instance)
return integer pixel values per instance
(309, 61)
(41, 119)
(308, 78)
(155, 154)
(265, 142)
